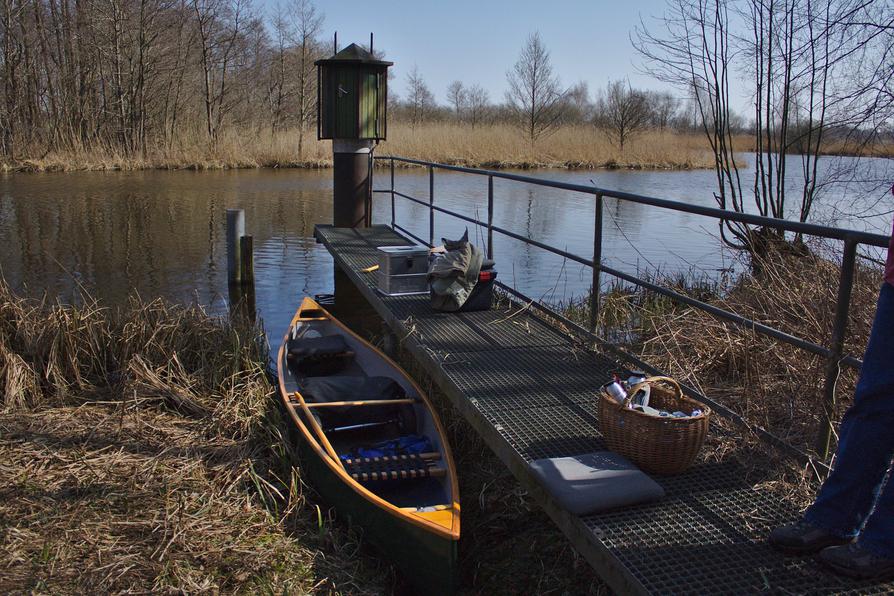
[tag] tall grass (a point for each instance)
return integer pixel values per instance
(140, 452)
(492, 146)
(772, 384)
(569, 147)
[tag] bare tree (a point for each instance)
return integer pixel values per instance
(218, 24)
(278, 91)
(307, 26)
(477, 102)
(578, 107)
(622, 112)
(419, 99)
(800, 57)
(663, 109)
(534, 96)
(457, 95)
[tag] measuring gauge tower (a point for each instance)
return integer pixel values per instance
(352, 99)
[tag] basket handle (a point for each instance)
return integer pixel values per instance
(635, 389)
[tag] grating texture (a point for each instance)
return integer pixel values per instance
(537, 389)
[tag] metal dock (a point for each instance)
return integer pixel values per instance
(529, 389)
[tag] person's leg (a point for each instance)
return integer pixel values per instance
(865, 448)
(866, 438)
(872, 555)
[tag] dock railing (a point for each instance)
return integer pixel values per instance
(832, 352)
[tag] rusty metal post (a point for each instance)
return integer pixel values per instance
(839, 330)
(351, 177)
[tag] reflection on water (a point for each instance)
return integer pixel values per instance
(163, 233)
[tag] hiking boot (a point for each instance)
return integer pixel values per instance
(854, 560)
(803, 538)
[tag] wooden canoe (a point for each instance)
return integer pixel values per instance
(408, 505)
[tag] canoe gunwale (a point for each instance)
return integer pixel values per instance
(411, 517)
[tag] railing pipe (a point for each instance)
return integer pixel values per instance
(597, 262)
(431, 205)
(723, 314)
(490, 217)
(715, 212)
(717, 312)
(833, 364)
(393, 214)
(834, 354)
(410, 234)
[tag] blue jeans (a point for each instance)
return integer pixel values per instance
(858, 498)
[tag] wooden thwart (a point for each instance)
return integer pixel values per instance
(373, 402)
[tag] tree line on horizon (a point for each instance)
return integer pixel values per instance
(127, 76)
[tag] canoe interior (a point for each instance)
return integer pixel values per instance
(420, 494)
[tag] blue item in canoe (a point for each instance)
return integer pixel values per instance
(406, 445)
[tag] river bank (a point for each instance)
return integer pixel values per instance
(141, 450)
(496, 146)
(493, 146)
(771, 384)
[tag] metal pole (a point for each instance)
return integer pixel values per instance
(235, 232)
(351, 183)
(393, 218)
(597, 262)
(490, 217)
(431, 203)
(369, 190)
(833, 364)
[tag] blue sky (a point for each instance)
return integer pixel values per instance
(477, 42)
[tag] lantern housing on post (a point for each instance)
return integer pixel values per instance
(352, 95)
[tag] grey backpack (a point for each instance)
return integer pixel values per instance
(453, 274)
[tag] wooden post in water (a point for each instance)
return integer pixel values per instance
(247, 260)
(235, 232)
(240, 265)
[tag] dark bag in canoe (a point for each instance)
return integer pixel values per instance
(319, 356)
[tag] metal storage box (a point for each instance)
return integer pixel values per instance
(400, 285)
(402, 270)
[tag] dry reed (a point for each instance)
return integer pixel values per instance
(139, 452)
(492, 146)
(772, 384)
(584, 147)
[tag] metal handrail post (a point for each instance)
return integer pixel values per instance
(393, 217)
(490, 217)
(597, 262)
(833, 364)
(369, 189)
(431, 206)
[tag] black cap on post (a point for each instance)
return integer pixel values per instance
(353, 96)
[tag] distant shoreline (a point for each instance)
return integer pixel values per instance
(493, 147)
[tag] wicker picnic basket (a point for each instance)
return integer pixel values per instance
(657, 444)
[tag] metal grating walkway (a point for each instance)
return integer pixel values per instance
(528, 389)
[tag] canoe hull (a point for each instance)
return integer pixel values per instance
(426, 559)
(420, 540)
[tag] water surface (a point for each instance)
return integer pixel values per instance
(162, 234)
